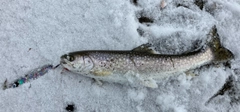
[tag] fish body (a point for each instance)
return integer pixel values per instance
(139, 67)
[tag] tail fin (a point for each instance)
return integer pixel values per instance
(221, 54)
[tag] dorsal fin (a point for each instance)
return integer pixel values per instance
(145, 48)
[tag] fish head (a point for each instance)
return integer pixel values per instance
(77, 63)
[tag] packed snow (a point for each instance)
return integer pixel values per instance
(34, 33)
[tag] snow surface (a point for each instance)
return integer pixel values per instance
(34, 33)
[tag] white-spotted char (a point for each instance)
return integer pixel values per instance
(141, 66)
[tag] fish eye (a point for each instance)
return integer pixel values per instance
(70, 58)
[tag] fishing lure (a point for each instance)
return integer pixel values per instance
(34, 74)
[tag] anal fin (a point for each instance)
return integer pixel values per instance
(190, 73)
(135, 78)
(150, 83)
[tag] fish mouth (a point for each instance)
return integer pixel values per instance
(65, 63)
(63, 60)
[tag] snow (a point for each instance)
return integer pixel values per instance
(169, 103)
(34, 33)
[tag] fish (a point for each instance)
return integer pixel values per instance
(142, 65)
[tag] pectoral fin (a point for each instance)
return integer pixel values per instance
(101, 72)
